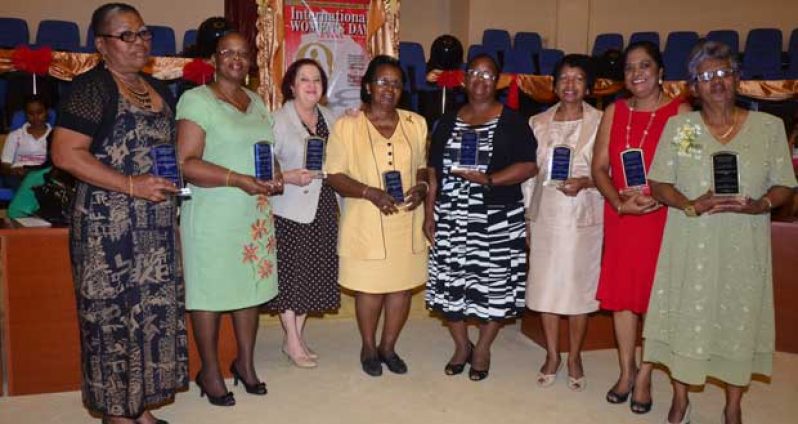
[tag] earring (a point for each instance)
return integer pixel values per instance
(246, 81)
(660, 81)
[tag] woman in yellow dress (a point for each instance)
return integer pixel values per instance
(381, 246)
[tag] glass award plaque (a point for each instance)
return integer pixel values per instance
(634, 169)
(469, 151)
(164, 165)
(264, 161)
(393, 185)
(314, 155)
(560, 158)
(726, 174)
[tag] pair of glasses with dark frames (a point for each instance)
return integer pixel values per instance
(717, 73)
(130, 36)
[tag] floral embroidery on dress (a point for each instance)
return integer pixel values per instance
(686, 142)
(263, 243)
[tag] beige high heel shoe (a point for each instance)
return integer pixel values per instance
(300, 361)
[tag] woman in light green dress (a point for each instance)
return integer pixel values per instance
(227, 229)
(711, 307)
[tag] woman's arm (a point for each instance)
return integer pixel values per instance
(70, 152)
(429, 205)
(191, 146)
(348, 187)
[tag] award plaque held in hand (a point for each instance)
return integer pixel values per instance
(393, 185)
(164, 165)
(314, 155)
(469, 151)
(726, 174)
(634, 169)
(560, 159)
(264, 161)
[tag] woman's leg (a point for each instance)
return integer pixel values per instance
(292, 344)
(551, 332)
(397, 308)
(487, 334)
(641, 395)
(679, 403)
(367, 310)
(245, 324)
(206, 335)
(300, 326)
(733, 413)
(462, 348)
(625, 324)
(577, 329)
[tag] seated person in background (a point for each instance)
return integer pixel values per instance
(26, 146)
(44, 192)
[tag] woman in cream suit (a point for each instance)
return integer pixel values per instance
(565, 221)
(306, 213)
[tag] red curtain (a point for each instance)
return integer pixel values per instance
(242, 14)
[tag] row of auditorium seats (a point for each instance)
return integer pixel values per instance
(763, 58)
(65, 36)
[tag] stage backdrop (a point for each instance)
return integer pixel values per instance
(341, 35)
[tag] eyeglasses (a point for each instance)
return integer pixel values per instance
(130, 36)
(719, 73)
(483, 75)
(384, 82)
(229, 54)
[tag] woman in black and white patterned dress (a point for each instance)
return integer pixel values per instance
(475, 219)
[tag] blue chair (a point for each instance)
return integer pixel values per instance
(89, 46)
(411, 59)
(6, 194)
(549, 59)
(497, 40)
(520, 61)
(605, 42)
(676, 54)
(59, 35)
(762, 57)
(189, 38)
(18, 119)
(792, 52)
(528, 44)
(13, 32)
(477, 49)
(649, 36)
(163, 40)
(728, 37)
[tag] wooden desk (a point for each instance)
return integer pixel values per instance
(600, 334)
(39, 327)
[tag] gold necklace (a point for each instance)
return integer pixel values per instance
(141, 98)
(230, 100)
(648, 125)
(731, 128)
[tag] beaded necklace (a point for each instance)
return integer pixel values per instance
(645, 131)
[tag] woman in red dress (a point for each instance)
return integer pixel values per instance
(633, 220)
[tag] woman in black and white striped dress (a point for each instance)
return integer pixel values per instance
(475, 218)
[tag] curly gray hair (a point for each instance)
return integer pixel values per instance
(706, 50)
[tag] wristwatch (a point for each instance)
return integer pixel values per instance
(690, 211)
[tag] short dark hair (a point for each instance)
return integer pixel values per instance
(650, 48)
(486, 56)
(35, 98)
(290, 77)
(209, 33)
(581, 61)
(368, 77)
(99, 19)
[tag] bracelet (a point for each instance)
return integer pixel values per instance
(426, 185)
(130, 186)
(767, 200)
(365, 190)
(620, 208)
(227, 178)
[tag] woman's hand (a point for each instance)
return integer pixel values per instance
(150, 187)
(429, 228)
(253, 186)
(382, 200)
(298, 177)
(572, 186)
(636, 203)
(416, 195)
(711, 204)
(473, 176)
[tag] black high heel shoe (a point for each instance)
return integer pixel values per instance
(258, 388)
(616, 398)
(226, 399)
(478, 375)
(455, 369)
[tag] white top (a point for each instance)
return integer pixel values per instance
(23, 149)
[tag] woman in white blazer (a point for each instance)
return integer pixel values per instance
(566, 220)
(306, 213)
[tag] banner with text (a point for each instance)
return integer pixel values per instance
(334, 34)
